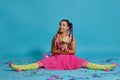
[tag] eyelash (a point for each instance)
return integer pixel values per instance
(61, 24)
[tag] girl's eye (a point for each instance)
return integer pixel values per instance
(63, 24)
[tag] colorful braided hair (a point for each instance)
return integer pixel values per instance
(70, 32)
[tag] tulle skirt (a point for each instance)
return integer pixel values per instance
(62, 62)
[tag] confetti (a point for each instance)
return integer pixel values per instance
(80, 74)
(50, 78)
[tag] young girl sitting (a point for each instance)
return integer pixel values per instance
(63, 49)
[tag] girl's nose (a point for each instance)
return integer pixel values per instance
(61, 27)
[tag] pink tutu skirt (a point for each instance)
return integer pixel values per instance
(62, 62)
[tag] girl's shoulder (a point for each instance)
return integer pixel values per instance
(54, 37)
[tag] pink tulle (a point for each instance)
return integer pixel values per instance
(62, 62)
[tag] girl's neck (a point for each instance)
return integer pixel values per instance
(64, 34)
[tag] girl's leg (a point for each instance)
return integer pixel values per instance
(26, 67)
(90, 65)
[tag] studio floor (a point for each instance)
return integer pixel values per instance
(7, 73)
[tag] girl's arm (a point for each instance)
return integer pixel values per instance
(54, 49)
(73, 47)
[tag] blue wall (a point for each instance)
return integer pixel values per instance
(28, 25)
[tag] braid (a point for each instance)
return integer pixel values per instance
(71, 31)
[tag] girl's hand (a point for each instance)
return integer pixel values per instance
(64, 47)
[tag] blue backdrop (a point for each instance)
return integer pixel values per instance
(27, 26)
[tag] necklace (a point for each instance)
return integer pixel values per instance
(64, 39)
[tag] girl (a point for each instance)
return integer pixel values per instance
(63, 49)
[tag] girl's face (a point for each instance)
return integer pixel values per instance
(63, 27)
